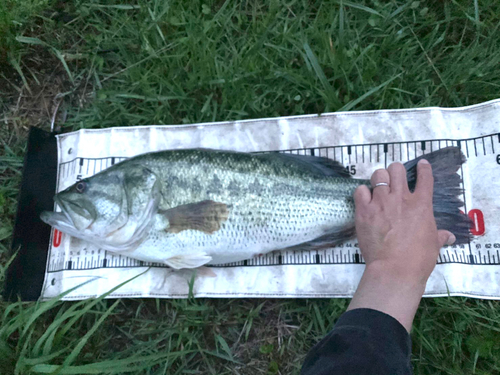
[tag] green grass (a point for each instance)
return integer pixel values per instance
(119, 63)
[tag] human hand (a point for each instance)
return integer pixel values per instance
(399, 241)
(396, 228)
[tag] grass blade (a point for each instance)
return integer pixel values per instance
(72, 356)
(30, 40)
(110, 367)
(356, 101)
(329, 92)
(360, 7)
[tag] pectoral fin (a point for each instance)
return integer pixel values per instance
(188, 261)
(205, 216)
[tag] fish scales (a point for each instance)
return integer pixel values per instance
(273, 205)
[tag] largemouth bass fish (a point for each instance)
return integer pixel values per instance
(188, 208)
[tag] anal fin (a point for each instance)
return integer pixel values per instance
(327, 240)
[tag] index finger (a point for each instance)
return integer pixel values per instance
(425, 180)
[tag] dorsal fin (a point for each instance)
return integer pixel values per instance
(313, 164)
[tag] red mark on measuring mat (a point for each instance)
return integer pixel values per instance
(57, 238)
(477, 218)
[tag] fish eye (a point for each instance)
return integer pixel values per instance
(81, 186)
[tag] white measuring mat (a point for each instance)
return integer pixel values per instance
(362, 141)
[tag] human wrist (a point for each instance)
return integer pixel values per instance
(390, 292)
(387, 271)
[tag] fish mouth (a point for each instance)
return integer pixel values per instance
(62, 222)
(58, 220)
(65, 220)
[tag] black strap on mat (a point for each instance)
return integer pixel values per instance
(31, 235)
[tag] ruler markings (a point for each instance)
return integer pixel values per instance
(463, 196)
(385, 157)
(314, 258)
(302, 149)
(338, 255)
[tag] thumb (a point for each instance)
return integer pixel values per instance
(445, 238)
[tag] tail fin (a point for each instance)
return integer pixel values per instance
(445, 163)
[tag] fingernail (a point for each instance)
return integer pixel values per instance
(423, 161)
(451, 240)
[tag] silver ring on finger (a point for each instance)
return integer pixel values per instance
(381, 184)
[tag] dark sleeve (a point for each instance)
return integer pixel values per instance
(364, 341)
